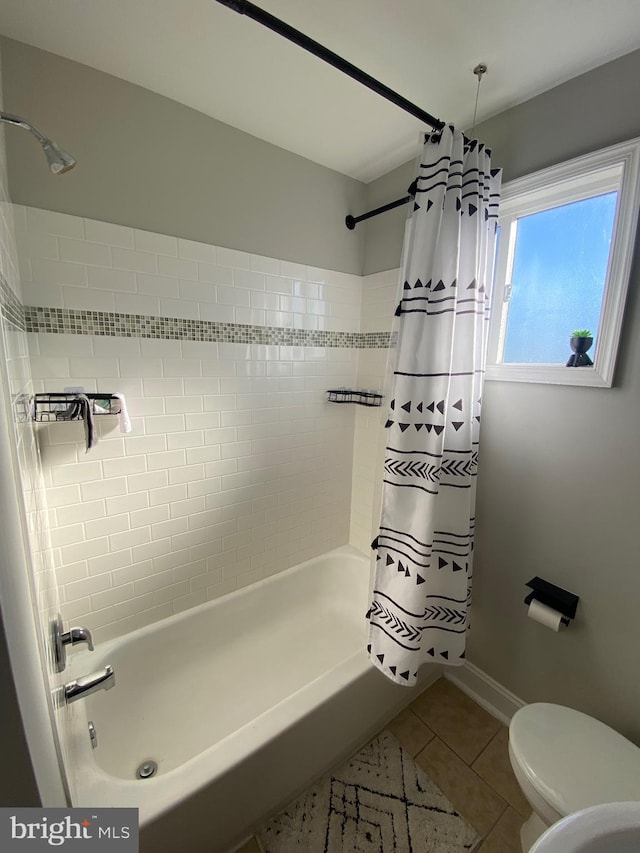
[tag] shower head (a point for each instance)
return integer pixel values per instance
(58, 159)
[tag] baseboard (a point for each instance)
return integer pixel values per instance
(486, 691)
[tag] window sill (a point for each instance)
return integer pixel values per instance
(549, 374)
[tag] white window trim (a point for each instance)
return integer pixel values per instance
(613, 168)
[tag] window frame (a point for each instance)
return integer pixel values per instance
(616, 168)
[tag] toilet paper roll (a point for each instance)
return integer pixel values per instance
(546, 616)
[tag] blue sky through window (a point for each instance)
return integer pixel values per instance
(558, 279)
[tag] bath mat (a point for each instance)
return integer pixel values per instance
(378, 802)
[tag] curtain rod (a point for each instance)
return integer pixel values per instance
(244, 7)
(352, 221)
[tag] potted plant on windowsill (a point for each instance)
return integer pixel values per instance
(580, 341)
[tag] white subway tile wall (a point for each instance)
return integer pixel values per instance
(16, 368)
(71, 262)
(236, 466)
(16, 357)
(380, 294)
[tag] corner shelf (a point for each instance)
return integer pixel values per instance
(347, 395)
(49, 408)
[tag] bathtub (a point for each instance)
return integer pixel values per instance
(242, 702)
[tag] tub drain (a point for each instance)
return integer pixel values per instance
(147, 769)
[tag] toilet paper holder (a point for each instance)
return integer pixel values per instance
(559, 599)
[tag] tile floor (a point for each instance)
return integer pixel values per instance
(463, 749)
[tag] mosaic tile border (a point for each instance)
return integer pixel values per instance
(70, 321)
(10, 306)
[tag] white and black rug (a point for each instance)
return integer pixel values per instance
(379, 802)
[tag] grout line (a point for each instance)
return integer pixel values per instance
(502, 814)
(484, 749)
(472, 768)
(458, 807)
(488, 784)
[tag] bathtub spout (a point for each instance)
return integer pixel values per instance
(104, 679)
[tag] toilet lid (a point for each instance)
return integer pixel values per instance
(573, 760)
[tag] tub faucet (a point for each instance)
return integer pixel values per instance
(60, 639)
(103, 679)
(78, 635)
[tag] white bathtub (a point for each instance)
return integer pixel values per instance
(242, 702)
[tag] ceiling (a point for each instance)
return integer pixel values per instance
(227, 66)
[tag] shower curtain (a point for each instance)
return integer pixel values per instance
(424, 545)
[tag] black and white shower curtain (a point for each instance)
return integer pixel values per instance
(424, 546)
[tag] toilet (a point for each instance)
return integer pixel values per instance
(565, 761)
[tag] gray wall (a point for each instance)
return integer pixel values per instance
(384, 233)
(148, 162)
(560, 466)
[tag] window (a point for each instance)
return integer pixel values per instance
(565, 243)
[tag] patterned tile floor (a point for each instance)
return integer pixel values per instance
(463, 749)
